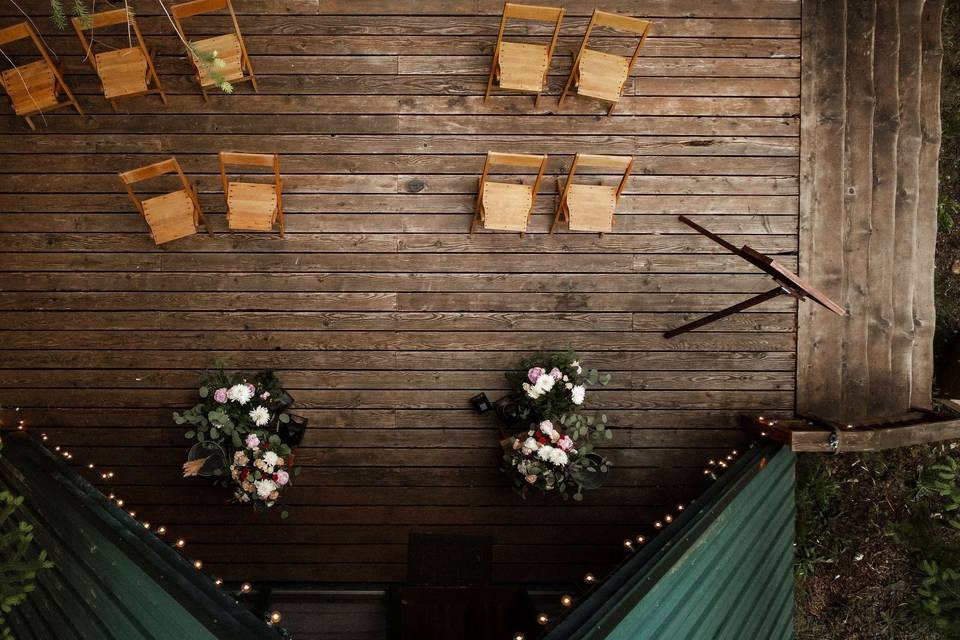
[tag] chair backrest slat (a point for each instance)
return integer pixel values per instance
(103, 19)
(532, 12)
(170, 165)
(620, 163)
(14, 33)
(196, 7)
(620, 21)
(249, 159)
(515, 159)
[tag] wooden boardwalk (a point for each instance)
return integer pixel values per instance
(868, 212)
(378, 310)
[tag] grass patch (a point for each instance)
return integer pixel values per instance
(877, 555)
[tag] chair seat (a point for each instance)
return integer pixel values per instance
(506, 207)
(122, 72)
(227, 49)
(602, 75)
(32, 87)
(591, 207)
(522, 67)
(251, 206)
(170, 216)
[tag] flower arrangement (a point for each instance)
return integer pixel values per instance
(551, 385)
(259, 471)
(556, 452)
(232, 427)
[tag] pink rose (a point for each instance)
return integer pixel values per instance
(534, 374)
(252, 441)
(220, 395)
(556, 374)
(264, 395)
(282, 477)
(252, 387)
(565, 443)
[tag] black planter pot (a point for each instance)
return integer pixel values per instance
(291, 433)
(283, 402)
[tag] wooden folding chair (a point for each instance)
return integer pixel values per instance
(125, 72)
(507, 206)
(229, 48)
(523, 66)
(34, 87)
(173, 215)
(587, 207)
(252, 206)
(603, 75)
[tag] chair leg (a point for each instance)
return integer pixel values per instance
(206, 98)
(30, 123)
(613, 106)
(536, 102)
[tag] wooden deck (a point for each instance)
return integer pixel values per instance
(378, 310)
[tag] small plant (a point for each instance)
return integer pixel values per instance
(943, 480)
(939, 594)
(19, 565)
(211, 63)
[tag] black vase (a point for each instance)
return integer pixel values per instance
(291, 432)
(283, 402)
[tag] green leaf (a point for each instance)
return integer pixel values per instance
(214, 434)
(204, 392)
(189, 435)
(284, 418)
(284, 514)
(297, 470)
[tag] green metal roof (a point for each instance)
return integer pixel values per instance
(113, 579)
(724, 570)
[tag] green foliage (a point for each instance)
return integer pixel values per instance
(19, 562)
(58, 15)
(948, 208)
(939, 594)
(211, 64)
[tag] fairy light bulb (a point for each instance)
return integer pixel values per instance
(275, 617)
(119, 502)
(146, 525)
(543, 619)
(680, 507)
(519, 636)
(197, 564)
(658, 525)
(566, 600)
(628, 544)
(111, 496)
(181, 543)
(161, 530)
(218, 581)
(668, 518)
(90, 466)
(56, 448)
(641, 539)
(133, 514)
(589, 578)
(246, 587)
(44, 437)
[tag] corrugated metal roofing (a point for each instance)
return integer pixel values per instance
(722, 572)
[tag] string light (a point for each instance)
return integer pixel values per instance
(246, 587)
(133, 514)
(519, 636)
(589, 578)
(197, 564)
(668, 518)
(181, 543)
(146, 525)
(119, 502)
(275, 617)
(641, 539)
(566, 600)
(161, 530)
(90, 466)
(217, 581)
(658, 525)
(680, 507)
(628, 544)
(543, 619)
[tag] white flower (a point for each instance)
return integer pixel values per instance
(260, 416)
(547, 427)
(552, 455)
(577, 393)
(566, 378)
(239, 393)
(529, 445)
(576, 365)
(265, 488)
(270, 458)
(569, 385)
(543, 385)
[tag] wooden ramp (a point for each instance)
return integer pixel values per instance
(870, 139)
